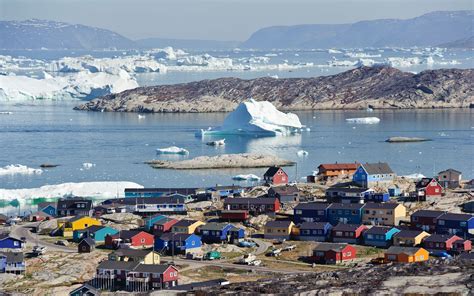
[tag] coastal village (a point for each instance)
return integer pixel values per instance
(182, 240)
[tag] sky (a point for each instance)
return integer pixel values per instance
(215, 19)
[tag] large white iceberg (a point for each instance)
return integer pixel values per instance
(18, 169)
(172, 150)
(364, 120)
(257, 118)
(249, 177)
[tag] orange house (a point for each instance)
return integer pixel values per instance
(406, 254)
(329, 170)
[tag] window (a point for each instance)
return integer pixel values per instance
(370, 236)
(298, 212)
(462, 224)
(142, 240)
(347, 254)
(321, 213)
(415, 219)
(441, 222)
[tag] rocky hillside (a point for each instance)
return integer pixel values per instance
(377, 87)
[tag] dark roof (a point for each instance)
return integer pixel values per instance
(94, 228)
(164, 221)
(250, 200)
(127, 234)
(339, 166)
(346, 206)
(450, 170)
(313, 225)
(346, 227)
(382, 205)
(377, 168)
(175, 236)
(213, 226)
(88, 241)
(185, 223)
(312, 206)
(284, 190)
(438, 237)
(7, 236)
(152, 268)
(45, 204)
(87, 287)
(428, 213)
(347, 189)
(279, 223)
(409, 233)
(456, 217)
(378, 230)
(272, 171)
(117, 265)
(330, 247)
(13, 257)
(71, 203)
(402, 250)
(185, 191)
(76, 218)
(146, 200)
(131, 252)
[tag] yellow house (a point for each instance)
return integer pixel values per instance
(142, 256)
(278, 229)
(186, 226)
(409, 238)
(406, 254)
(76, 223)
(389, 213)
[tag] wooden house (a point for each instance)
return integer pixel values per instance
(376, 197)
(379, 236)
(39, 216)
(409, 238)
(406, 254)
(134, 239)
(389, 213)
(350, 213)
(440, 242)
(315, 231)
(164, 225)
(133, 255)
(9, 242)
(259, 205)
(67, 227)
(148, 222)
(85, 290)
(76, 206)
(214, 232)
(461, 246)
(370, 175)
(428, 187)
(461, 225)
(234, 215)
(425, 220)
(449, 178)
(12, 262)
(148, 277)
(178, 243)
(186, 226)
(96, 232)
(147, 206)
(157, 192)
(331, 170)
(310, 212)
(285, 194)
(275, 176)
(338, 194)
(86, 245)
(278, 229)
(347, 233)
(331, 253)
(49, 208)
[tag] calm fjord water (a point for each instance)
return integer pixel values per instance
(119, 143)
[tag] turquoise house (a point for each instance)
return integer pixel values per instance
(149, 221)
(96, 232)
(379, 236)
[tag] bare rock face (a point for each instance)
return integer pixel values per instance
(375, 87)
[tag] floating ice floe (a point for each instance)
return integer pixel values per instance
(302, 153)
(364, 120)
(6, 112)
(414, 176)
(88, 165)
(172, 150)
(141, 116)
(18, 169)
(216, 143)
(92, 189)
(257, 118)
(249, 177)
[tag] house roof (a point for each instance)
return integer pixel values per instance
(456, 217)
(131, 252)
(71, 202)
(214, 226)
(76, 218)
(435, 238)
(285, 190)
(272, 171)
(451, 171)
(185, 191)
(175, 236)
(348, 189)
(339, 166)
(312, 206)
(7, 236)
(250, 200)
(410, 233)
(146, 200)
(278, 224)
(152, 268)
(323, 247)
(428, 213)
(346, 206)
(45, 204)
(94, 228)
(117, 265)
(87, 287)
(13, 257)
(377, 230)
(127, 234)
(41, 214)
(164, 221)
(88, 241)
(424, 182)
(384, 205)
(346, 227)
(377, 168)
(185, 223)
(313, 225)
(402, 250)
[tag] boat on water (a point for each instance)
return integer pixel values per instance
(216, 143)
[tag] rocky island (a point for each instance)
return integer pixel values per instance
(406, 139)
(375, 87)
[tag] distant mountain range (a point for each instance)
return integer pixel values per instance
(427, 30)
(447, 28)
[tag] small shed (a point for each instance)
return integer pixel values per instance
(86, 245)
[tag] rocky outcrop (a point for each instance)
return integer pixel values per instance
(375, 87)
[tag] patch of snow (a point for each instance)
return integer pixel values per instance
(172, 150)
(18, 169)
(334, 51)
(415, 176)
(363, 120)
(216, 143)
(257, 118)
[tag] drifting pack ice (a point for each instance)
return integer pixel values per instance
(364, 120)
(257, 118)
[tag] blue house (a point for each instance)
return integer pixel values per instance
(182, 243)
(376, 197)
(347, 213)
(215, 232)
(461, 225)
(310, 212)
(48, 208)
(12, 262)
(373, 174)
(225, 191)
(315, 231)
(8, 242)
(235, 234)
(95, 232)
(149, 221)
(379, 236)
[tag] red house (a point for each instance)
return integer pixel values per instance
(442, 242)
(462, 245)
(429, 187)
(135, 239)
(276, 176)
(330, 253)
(347, 233)
(234, 215)
(425, 220)
(163, 225)
(256, 205)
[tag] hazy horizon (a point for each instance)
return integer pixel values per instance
(213, 19)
